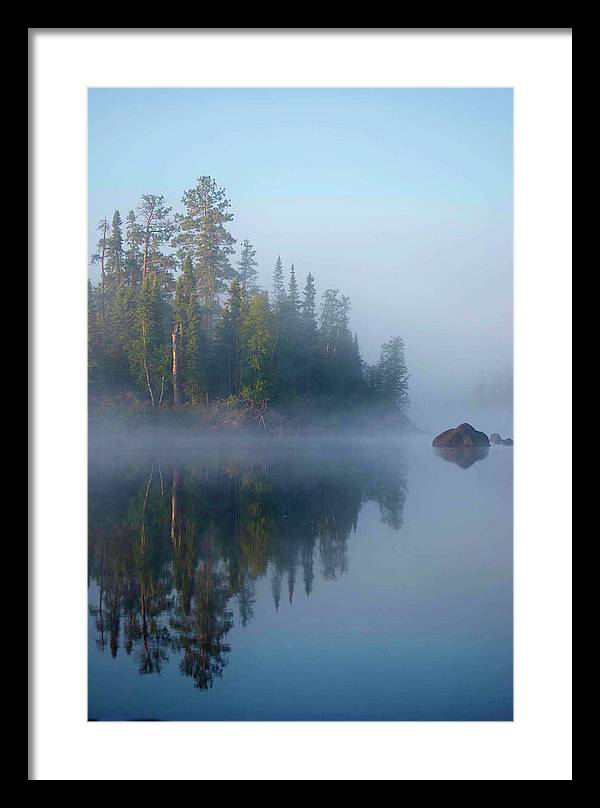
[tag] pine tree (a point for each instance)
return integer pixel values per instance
(291, 341)
(293, 297)
(122, 328)
(100, 257)
(246, 269)
(309, 331)
(278, 285)
(309, 312)
(391, 376)
(96, 360)
(133, 250)
(187, 322)
(231, 340)
(333, 325)
(114, 253)
(149, 354)
(203, 236)
(156, 228)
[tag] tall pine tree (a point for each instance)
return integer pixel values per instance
(203, 235)
(247, 272)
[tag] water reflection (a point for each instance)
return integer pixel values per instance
(175, 550)
(463, 456)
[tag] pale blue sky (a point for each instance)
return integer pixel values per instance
(402, 198)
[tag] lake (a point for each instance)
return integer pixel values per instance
(314, 579)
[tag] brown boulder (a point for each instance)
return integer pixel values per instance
(462, 435)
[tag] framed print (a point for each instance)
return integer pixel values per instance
(274, 407)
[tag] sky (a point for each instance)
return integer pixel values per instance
(401, 198)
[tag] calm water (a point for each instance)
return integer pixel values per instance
(326, 580)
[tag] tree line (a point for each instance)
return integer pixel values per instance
(176, 318)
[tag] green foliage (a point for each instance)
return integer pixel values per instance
(133, 250)
(202, 235)
(114, 254)
(257, 348)
(187, 322)
(230, 343)
(247, 272)
(278, 285)
(388, 379)
(149, 352)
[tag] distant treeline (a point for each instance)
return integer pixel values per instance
(176, 319)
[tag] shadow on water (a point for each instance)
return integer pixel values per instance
(176, 549)
(463, 456)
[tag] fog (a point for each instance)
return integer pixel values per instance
(402, 199)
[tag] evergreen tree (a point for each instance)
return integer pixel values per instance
(231, 340)
(149, 355)
(278, 285)
(122, 329)
(204, 237)
(257, 338)
(187, 322)
(333, 326)
(156, 227)
(293, 297)
(100, 257)
(133, 250)
(246, 269)
(309, 331)
(291, 341)
(96, 361)
(114, 253)
(391, 376)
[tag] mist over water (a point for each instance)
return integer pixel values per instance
(323, 579)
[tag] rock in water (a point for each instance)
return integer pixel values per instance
(499, 441)
(462, 435)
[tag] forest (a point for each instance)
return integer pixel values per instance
(178, 323)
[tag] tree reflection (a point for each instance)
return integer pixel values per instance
(176, 552)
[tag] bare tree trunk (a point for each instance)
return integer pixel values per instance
(147, 236)
(176, 368)
(148, 383)
(145, 262)
(146, 371)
